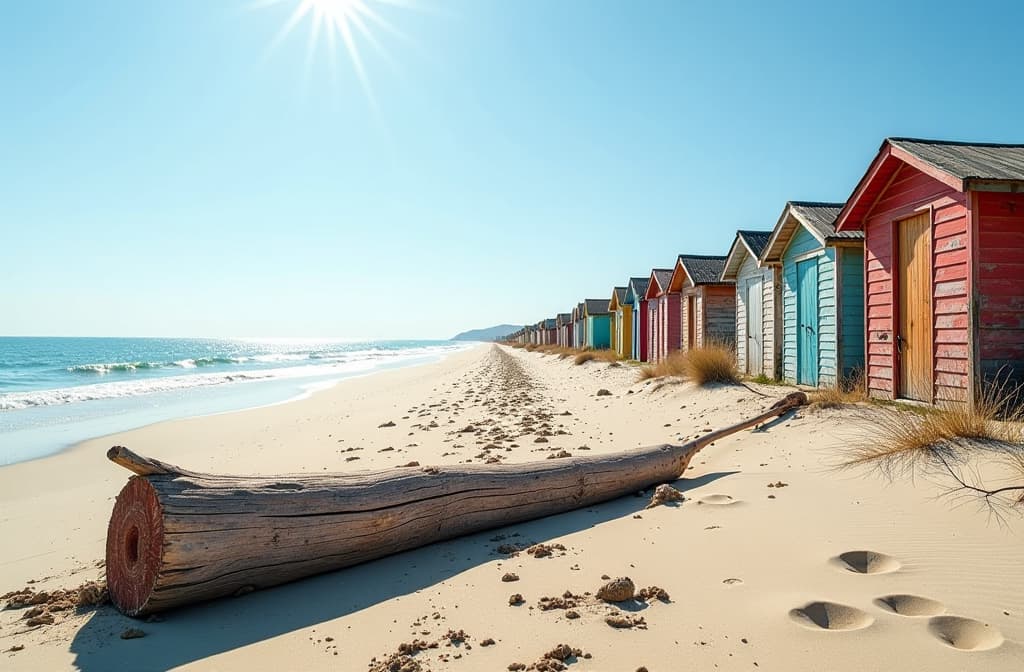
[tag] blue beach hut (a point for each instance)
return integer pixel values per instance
(636, 298)
(598, 324)
(822, 274)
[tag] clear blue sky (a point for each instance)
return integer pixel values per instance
(165, 171)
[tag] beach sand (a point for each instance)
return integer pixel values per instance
(753, 570)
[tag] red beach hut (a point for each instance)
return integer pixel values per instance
(664, 326)
(943, 227)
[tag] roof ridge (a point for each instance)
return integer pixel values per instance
(816, 204)
(954, 143)
(702, 256)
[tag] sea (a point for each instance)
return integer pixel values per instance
(56, 392)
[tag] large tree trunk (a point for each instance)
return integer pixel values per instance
(177, 536)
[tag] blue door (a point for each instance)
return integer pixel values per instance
(807, 322)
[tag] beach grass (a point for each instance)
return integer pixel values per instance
(851, 389)
(712, 363)
(596, 356)
(905, 435)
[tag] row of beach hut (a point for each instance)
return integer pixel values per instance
(917, 281)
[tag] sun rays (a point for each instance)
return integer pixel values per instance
(350, 22)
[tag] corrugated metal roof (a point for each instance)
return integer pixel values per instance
(597, 306)
(703, 269)
(968, 160)
(755, 240)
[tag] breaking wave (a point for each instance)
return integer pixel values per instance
(324, 364)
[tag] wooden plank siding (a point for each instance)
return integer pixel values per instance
(851, 302)
(1000, 295)
(910, 192)
(748, 273)
(640, 334)
(840, 326)
(717, 310)
(599, 331)
(624, 314)
(668, 324)
(652, 330)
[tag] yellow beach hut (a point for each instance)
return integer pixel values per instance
(622, 323)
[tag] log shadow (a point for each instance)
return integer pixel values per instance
(193, 633)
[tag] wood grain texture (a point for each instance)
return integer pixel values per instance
(179, 537)
(915, 336)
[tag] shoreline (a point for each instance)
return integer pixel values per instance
(235, 403)
(740, 558)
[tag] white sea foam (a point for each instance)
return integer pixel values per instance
(341, 363)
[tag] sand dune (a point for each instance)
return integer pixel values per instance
(831, 570)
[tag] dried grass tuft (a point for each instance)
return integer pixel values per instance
(713, 363)
(943, 439)
(849, 390)
(596, 356)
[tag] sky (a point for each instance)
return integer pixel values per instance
(190, 168)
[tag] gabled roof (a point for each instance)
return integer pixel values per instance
(658, 283)
(577, 312)
(550, 323)
(819, 220)
(699, 269)
(595, 307)
(968, 160)
(958, 165)
(746, 242)
(636, 287)
(563, 318)
(618, 298)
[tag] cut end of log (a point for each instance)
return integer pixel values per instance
(135, 539)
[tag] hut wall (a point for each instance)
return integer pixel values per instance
(800, 246)
(668, 309)
(599, 331)
(999, 218)
(850, 269)
(749, 272)
(716, 307)
(908, 193)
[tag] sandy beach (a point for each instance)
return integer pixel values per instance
(763, 563)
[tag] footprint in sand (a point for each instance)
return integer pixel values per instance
(718, 500)
(866, 562)
(911, 605)
(830, 616)
(965, 634)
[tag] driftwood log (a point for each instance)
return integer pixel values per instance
(177, 537)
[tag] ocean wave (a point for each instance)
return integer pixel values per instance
(355, 363)
(128, 367)
(69, 395)
(116, 366)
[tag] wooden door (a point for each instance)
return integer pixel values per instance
(914, 336)
(807, 322)
(691, 321)
(755, 332)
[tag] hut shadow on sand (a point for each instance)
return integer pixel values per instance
(193, 633)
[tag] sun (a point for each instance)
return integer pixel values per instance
(339, 21)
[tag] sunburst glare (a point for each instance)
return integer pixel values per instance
(345, 21)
